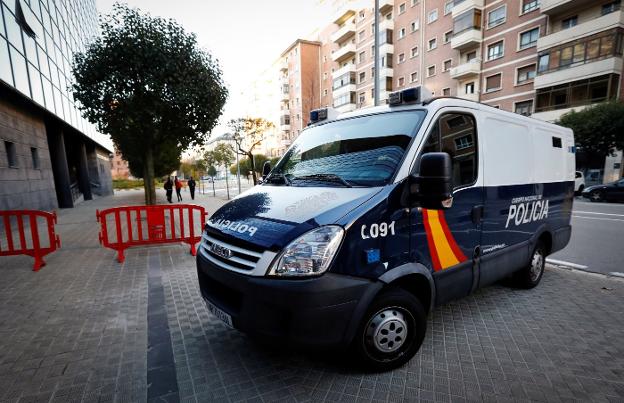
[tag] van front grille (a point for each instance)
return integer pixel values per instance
(228, 256)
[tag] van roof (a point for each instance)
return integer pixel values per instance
(439, 102)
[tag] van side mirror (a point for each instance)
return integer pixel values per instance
(266, 169)
(432, 187)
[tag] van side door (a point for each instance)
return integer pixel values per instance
(445, 241)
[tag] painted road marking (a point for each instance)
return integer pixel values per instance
(597, 218)
(591, 212)
(616, 274)
(566, 264)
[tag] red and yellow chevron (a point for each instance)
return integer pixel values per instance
(442, 246)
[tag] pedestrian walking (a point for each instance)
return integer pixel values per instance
(178, 186)
(169, 189)
(191, 185)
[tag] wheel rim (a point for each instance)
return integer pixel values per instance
(595, 196)
(537, 265)
(387, 331)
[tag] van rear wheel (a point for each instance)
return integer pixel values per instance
(391, 332)
(531, 275)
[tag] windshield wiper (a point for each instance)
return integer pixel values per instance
(277, 176)
(326, 178)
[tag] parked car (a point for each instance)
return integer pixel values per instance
(579, 182)
(613, 191)
(593, 177)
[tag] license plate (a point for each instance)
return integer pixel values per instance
(227, 319)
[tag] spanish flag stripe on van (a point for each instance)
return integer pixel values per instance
(442, 246)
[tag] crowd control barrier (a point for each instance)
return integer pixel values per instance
(128, 226)
(26, 222)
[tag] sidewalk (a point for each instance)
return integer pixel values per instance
(86, 328)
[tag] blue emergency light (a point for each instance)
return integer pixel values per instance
(318, 115)
(410, 96)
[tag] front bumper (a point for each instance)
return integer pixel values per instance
(321, 311)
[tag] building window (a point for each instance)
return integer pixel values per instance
(362, 77)
(577, 93)
(469, 88)
(362, 15)
(610, 7)
(525, 74)
(497, 16)
(446, 92)
(432, 16)
(433, 43)
(471, 55)
(362, 35)
(401, 81)
(345, 79)
(11, 154)
(524, 108)
(414, 77)
(528, 39)
(414, 2)
(362, 57)
(529, 5)
(569, 22)
(401, 8)
(585, 51)
(447, 65)
(431, 71)
(414, 51)
(495, 50)
(448, 6)
(493, 83)
(401, 33)
(34, 154)
(448, 35)
(415, 25)
(401, 57)
(325, 91)
(362, 98)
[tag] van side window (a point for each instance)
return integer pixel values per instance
(456, 134)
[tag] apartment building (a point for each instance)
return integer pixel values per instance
(300, 74)
(540, 58)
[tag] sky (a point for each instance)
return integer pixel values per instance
(246, 36)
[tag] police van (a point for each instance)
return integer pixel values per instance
(372, 218)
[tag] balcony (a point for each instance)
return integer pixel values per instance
(468, 38)
(283, 65)
(343, 16)
(466, 70)
(349, 68)
(594, 56)
(387, 71)
(386, 25)
(385, 6)
(469, 97)
(284, 96)
(591, 27)
(461, 7)
(553, 7)
(386, 48)
(284, 126)
(337, 92)
(344, 32)
(285, 142)
(344, 53)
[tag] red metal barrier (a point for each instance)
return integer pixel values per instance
(32, 246)
(163, 224)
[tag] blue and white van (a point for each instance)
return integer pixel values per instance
(374, 217)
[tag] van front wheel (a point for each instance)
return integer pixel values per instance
(392, 330)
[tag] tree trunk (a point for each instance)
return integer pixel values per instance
(227, 186)
(148, 177)
(253, 168)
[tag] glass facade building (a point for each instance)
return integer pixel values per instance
(37, 41)
(50, 156)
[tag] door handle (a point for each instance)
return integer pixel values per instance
(477, 214)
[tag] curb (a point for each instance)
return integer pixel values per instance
(610, 276)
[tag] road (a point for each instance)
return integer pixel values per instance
(597, 242)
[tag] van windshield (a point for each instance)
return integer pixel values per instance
(361, 151)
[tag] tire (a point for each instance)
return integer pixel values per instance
(391, 332)
(596, 196)
(530, 276)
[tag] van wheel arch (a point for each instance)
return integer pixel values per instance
(546, 239)
(414, 278)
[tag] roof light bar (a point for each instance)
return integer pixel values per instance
(318, 115)
(410, 95)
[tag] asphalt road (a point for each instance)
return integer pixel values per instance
(597, 242)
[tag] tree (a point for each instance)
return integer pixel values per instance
(245, 165)
(599, 129)
(147, 84)
(248, 133)
(224, 155)
(167, 162)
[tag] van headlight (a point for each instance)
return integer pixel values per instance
(310, 254)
